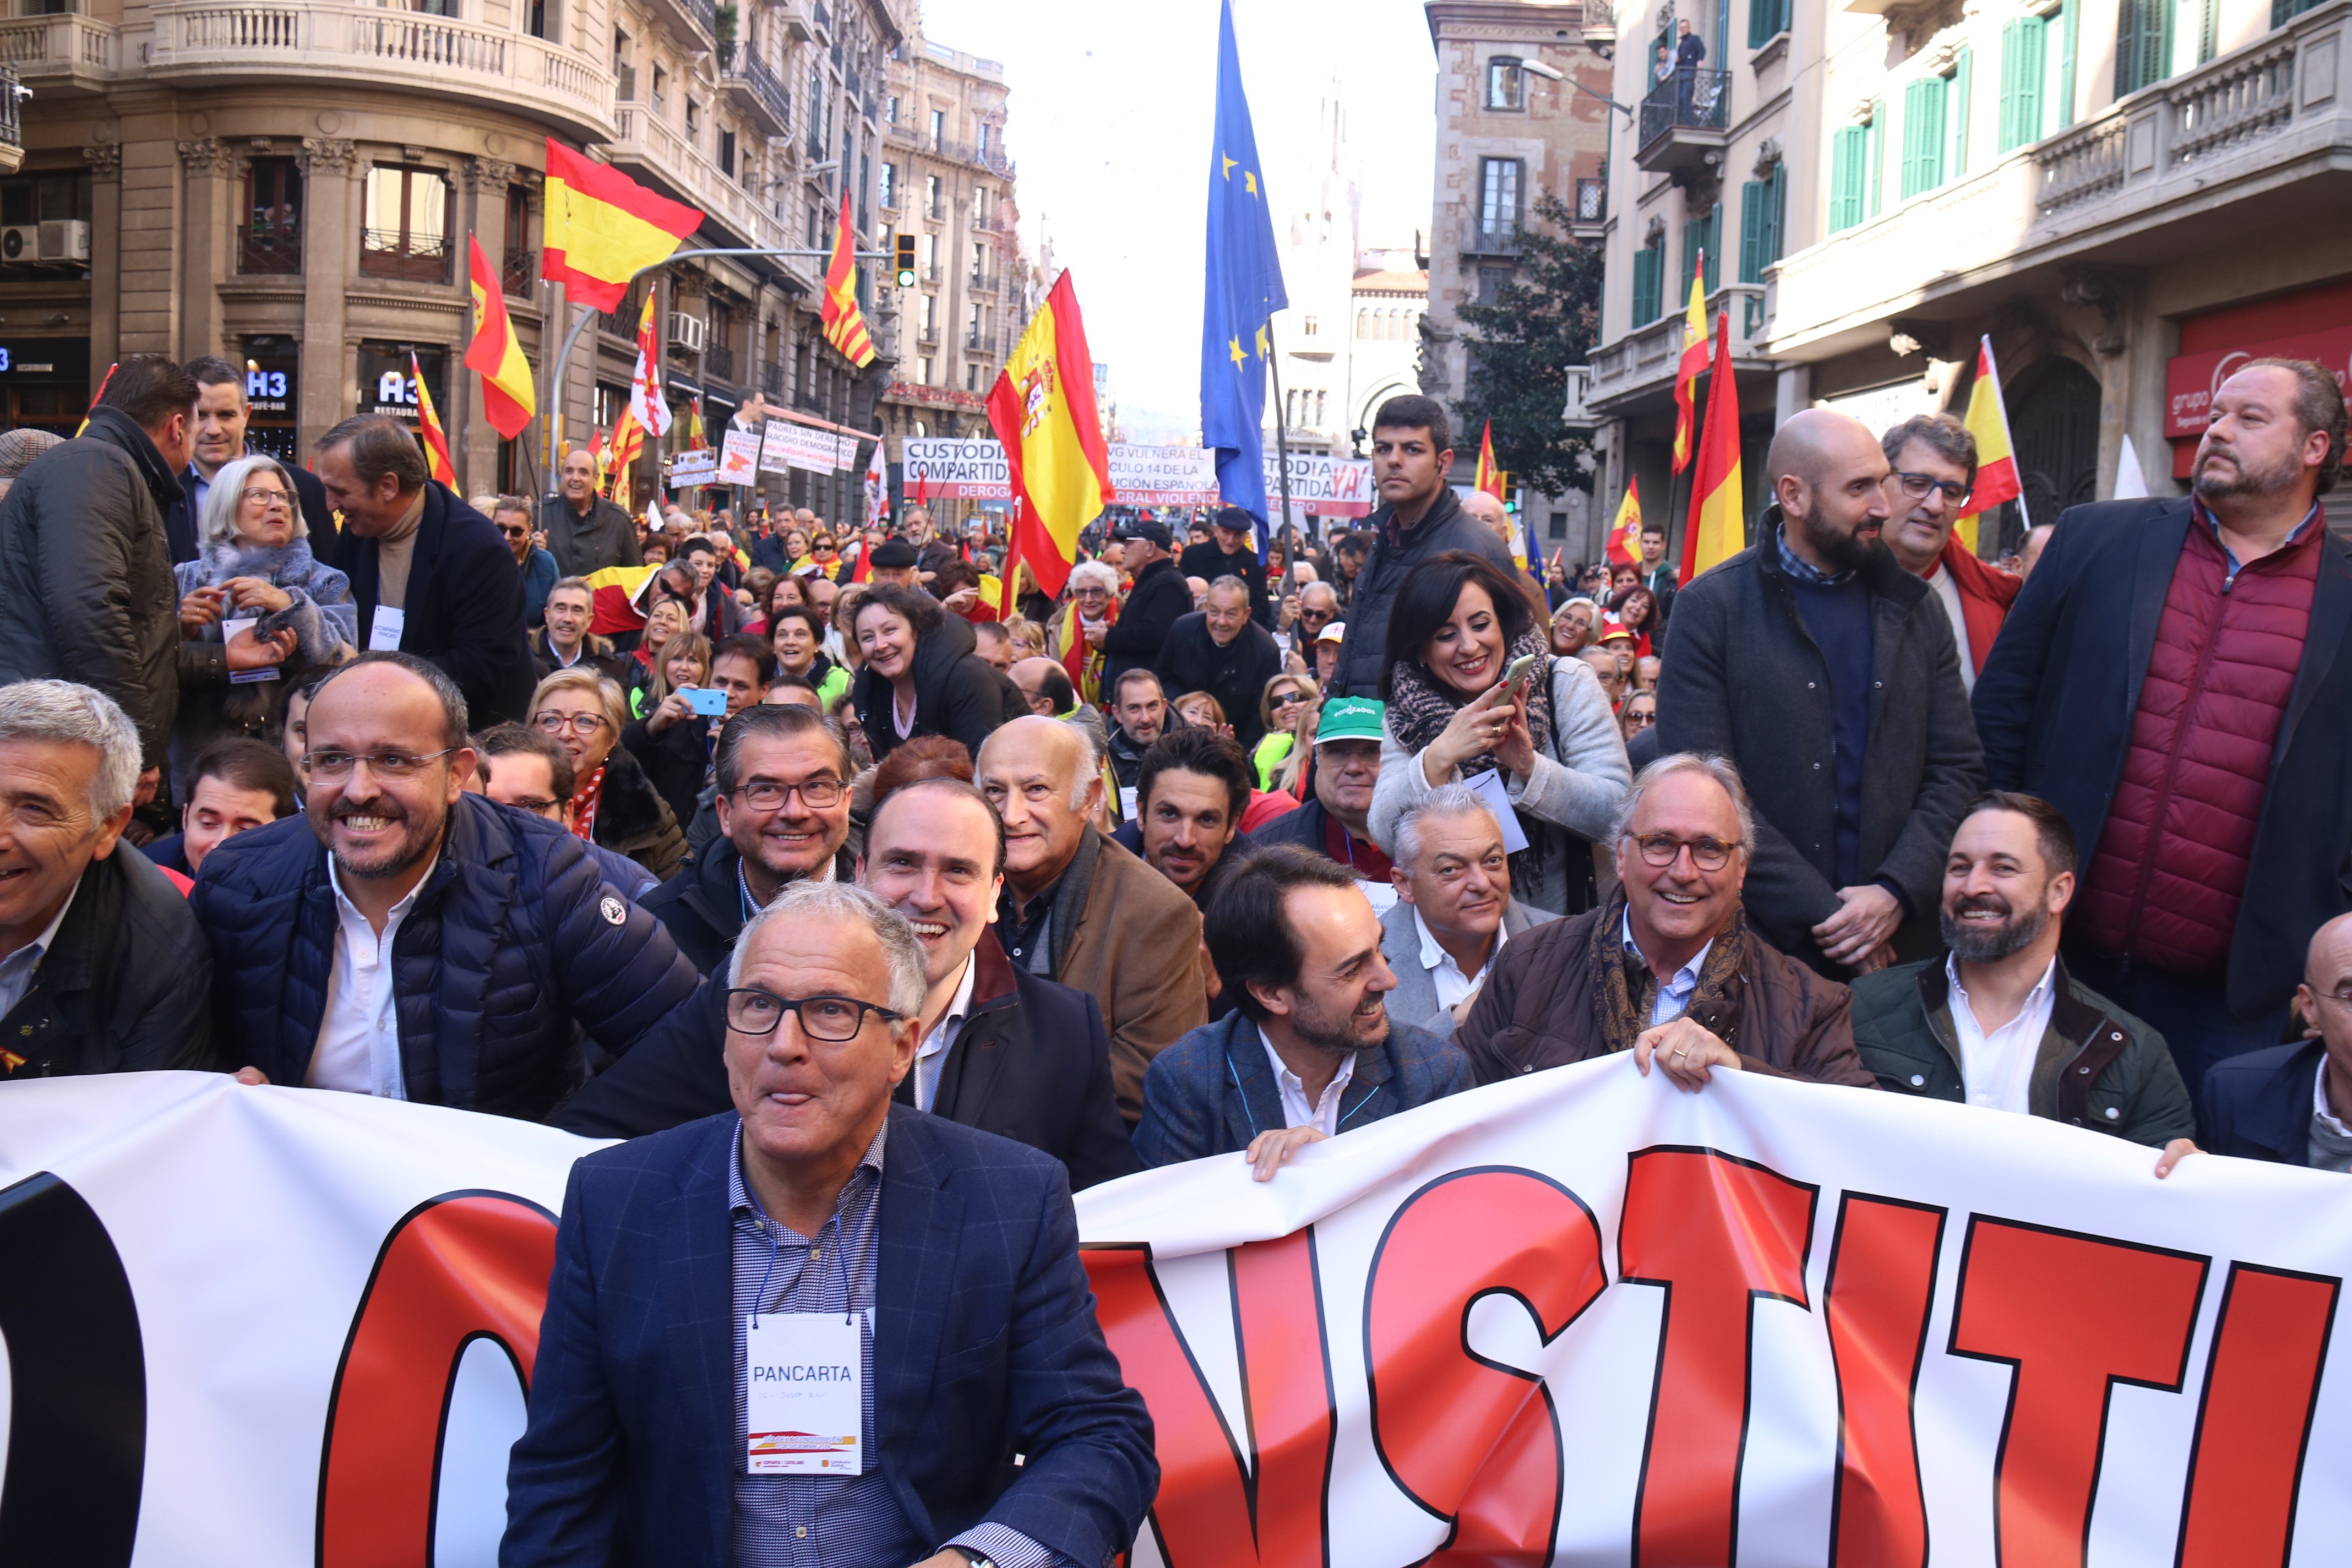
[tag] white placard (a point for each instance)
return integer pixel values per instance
(738, 460)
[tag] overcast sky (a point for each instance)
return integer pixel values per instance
(1109, 118)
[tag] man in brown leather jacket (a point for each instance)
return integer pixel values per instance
(1669, 969)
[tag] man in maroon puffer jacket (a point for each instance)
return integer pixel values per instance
(2175, 676)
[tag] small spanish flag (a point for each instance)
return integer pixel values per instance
(617, 594)
(508, 399)
(1625, 533)
(436, 440)
(1719, 515)
(1988, 421)
(1692, 365)
(602, 228)
(844, 323)
(1488, 479)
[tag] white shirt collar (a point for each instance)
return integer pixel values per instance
(1682, 978)
(1295, 1112)
(398, 912)
(2320, 1109)
(931, 1056)
(28, 957)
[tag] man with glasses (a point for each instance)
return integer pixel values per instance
(1934, 458)
(2292, 1104)
(526, 769)
(407, 940)
(935, 1266)
(1828, 675)
(782, 804)
(510, 515)
(1670, 968)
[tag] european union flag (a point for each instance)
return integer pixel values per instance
(1245, 290)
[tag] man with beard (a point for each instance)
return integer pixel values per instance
(1308, 1051)
(2175, 678)
(1193, 786)
(1827, 675)
(2000, 1023)
(408, 939)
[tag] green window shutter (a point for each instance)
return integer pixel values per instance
(1714, 254)
(1957, 110)
(2024, 67)
(1648, 262)
(1751, 232)
(2070, 17)
(1923, 135)
(1775, 212)
(1874, 178)
(1848, 156)
(2143, 44)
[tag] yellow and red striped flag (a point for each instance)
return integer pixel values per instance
(629, 445)
(508, 398)
(696, 438)
(617, 596)
(1488, 479)
(1719, 515)
(602, 228)
(1693, 365)
(1625, 533)
(1043, 410)
(436, 440)
(1988, 421)
(844, 323)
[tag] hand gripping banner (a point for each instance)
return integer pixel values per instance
(1581, 1318)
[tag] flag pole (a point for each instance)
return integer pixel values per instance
(1281, 449)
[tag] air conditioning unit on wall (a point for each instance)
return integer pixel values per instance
(20, 244)
(65, 240)
(686, 331)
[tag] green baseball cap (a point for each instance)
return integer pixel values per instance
(1352, 719)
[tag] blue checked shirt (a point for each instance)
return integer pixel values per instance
(1797, 567)
(829, 1521)
(2205, 515)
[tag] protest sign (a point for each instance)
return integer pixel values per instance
(698, 466)
(1163, 476)
(739, 459)
(1327, 486)
(970, 469)
(784, 444)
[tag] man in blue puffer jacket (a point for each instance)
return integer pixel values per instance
(408, 939)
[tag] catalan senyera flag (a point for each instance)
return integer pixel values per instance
(601, 227)
(1717, 529)
(1693, 365)
(1489, 478)
(509, 400)
(1043, 410)
(436, 440)
(1625, 533)
(629, 445)
(646, 402)
(1988, 421)
(844, 323)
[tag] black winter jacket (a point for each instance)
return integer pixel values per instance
(86, 575)
(1208, 563)
(1155, 602)
(1394, 554)
(958, 693)
(513, 948)
(124, 987)
(1235, 674)
(702, 906)
(464, 610)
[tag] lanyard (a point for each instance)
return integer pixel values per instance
(775, 1246)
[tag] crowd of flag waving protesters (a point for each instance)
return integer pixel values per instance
(876, 918)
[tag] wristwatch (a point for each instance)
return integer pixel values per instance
(976, 1559)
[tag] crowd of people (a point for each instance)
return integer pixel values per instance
(320, 776)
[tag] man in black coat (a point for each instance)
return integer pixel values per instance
(1157, 599)
(1004, 1050)
(432, 576)
(223, 414)
(586, 533)
(1230, 550)
(2292, 1104)
(1219, 650)
(1827, 675)
(1420, 517)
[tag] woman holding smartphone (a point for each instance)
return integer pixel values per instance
(1471, 692)
(671, 741)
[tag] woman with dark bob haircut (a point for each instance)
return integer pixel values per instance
(1459, 621)
(919, 675)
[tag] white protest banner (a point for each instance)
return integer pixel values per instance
(784, 444)
(739, 459)
(698, 466)
(968, 468)
(1163, 476)
(1327, 486)
(1582, 1317)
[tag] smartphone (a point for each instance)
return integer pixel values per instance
(708, 701)
(1515, 679)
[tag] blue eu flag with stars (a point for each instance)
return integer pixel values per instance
(1245, 290)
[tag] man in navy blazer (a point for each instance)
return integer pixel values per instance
(2292, 1104)
(939, 1262)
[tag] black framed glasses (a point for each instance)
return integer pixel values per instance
(1662, 849)
(767, 794)
(1916, 486)
(833, 1020)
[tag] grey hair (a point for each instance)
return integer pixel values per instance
(1716, 767)
(218, 523)
(1568, 604)
(1098, 743)
(1445, 800)
(839, 901)
(1230, 580)
(62, 712)
(1097, 573)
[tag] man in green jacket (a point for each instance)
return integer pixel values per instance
(1999, 1023)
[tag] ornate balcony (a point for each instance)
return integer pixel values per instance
(755, 87)
(1683, 120)
(642, 139)
(71, 51)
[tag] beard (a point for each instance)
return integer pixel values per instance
(420, 835)
(2247, 479)
(1972, 943)
(1327, 1029)
(1838, 546)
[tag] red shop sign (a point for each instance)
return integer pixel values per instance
(2190, 380)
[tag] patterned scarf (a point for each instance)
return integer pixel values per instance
(1421, 705)
(585, 800)
(1629, 992)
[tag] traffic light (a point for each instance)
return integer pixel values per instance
(905, 261)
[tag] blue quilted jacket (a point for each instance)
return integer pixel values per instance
(514, 948)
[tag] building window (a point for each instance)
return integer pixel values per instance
(1649, 278)
(1959, 99)
(727, 153)
(1699, 247)
(931, 316)
(923, 369)
(987, 141)
(519, 269)
(1498, 194)
(889, 185)
(1507, 84)
(1767, 20)
(1763, 211)
(934, 197)
(406, 227)
(1492, 281)
(661, 87)
(890, 112)
(2143, 43)
(535, 18)
(2284, 11)
(270, 239)
(2024, 70)
(1363, 324)
(939, 129)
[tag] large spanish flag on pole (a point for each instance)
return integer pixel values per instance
(436, 440)
(844, 323)
(508, 398)
(1043, 410)
(1719, 515)
(602, 228)
(1988, 421)
(1692, 366)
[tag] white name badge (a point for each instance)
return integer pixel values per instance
(1488, 787)
(383, 631)
(1383, 894)
(230, 631)
(1127, 802)
(805, 1394)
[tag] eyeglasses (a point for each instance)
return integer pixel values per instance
(1643, 721)
(1662, 849)
(331, 764)
(1288, 699)
(257, 496)
(1916, 486)
(835, 1020)
(578, 723)
(536, 807)
(766, 795)
(514, 533)
(2337, 997)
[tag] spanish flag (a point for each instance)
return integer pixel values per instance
(1489, 478)
(1043, 410)
(1083, 664)
(601, 227)
(844, 323)
(1719, 515)
(618, 593)
(436, 440)
(1625, 533)
(1693, 365)
(508, 400)
(1988, 421)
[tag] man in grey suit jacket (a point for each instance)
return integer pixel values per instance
(1454, 911)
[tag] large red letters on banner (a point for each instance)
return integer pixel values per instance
(1471, 1441)
(1718, 1232)
(2073, 1315)
(457, 1269)
(1881, 1287)
(1265, 1509)
(2261, 1384)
